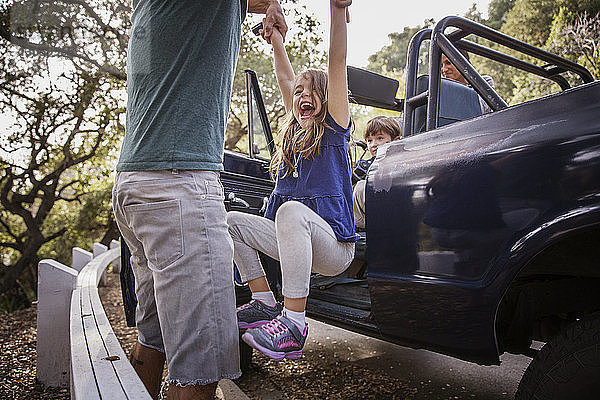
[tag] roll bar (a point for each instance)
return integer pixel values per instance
(450, 44)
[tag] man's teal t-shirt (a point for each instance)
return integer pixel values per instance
(180, 65)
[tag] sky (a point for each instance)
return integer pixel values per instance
(373, 20)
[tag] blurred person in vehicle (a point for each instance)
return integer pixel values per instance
(449, 71)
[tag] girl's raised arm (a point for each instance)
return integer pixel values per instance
(283, 69)
(337, 87)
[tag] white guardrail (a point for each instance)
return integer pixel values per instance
(76, 345)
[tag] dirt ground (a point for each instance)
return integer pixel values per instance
(311, 377)
(18, 347)
(18, 357)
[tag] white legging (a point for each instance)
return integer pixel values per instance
(299, 238)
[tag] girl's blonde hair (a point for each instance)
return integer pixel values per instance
(296, 142)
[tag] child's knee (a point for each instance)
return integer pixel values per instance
(233, 219)
(290, 211)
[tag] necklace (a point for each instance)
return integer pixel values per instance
(295, 172)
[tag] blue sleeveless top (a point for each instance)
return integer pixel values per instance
(323, 183)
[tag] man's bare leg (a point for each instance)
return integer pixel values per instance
(148, 363)
(192, 392)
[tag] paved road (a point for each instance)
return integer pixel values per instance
(417, 374)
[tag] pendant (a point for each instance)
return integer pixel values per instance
(295, 174)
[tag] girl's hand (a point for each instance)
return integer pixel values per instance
(344, 4)
(276, 36)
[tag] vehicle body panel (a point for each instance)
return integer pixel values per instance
(246, 179)
(453, 214)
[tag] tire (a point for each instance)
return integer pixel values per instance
(567, 367)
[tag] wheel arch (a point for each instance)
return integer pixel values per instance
(555, 280)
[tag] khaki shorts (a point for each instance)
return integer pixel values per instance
(181, 254)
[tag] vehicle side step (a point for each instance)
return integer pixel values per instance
(341, 300)
(343, 316)
(341, 290)
(326, 282)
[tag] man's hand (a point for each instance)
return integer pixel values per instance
(274, 19)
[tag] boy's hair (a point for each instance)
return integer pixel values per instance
(389, 125)
(296, 142)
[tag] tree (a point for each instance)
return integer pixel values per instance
(530, 20)
(574, 36)
(497, 10)
(393, 56)
(581, 38)
(545, 23)
(62, 97)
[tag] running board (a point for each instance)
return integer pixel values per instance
(340, 301)
(342, 316)
(328, 289)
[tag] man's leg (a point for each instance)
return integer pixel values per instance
(180, 218)
(196, 392)
(194, 291)
(148, 363)
(148, 356)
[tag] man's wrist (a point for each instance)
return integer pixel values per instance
(260, 6)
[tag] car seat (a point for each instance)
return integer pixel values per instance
(457, 103)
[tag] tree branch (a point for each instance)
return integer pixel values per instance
(44, 48)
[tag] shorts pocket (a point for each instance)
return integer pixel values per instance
(214, 190)
(158, 225)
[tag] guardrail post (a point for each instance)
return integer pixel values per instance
(117, 263)
(55, 285)
(98, 249)
(80, 258)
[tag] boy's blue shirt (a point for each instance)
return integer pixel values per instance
(181, 61)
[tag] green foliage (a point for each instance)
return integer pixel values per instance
(86, 222)
(577, 37)
(562, 27)
(530, 20)
(393, 56)
(497, 10)
(62, 95)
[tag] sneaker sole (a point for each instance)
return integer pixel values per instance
(245, 325)
(275, 355)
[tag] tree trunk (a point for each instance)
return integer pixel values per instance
(111, 233)
(12, 273)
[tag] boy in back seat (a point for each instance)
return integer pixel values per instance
(378, 131)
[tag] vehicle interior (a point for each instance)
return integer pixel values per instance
(430, 102)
